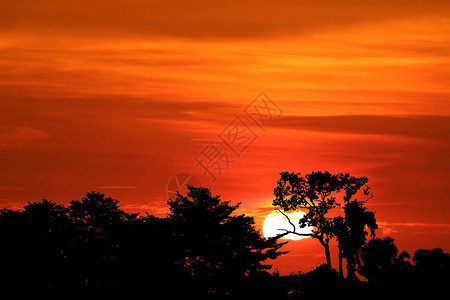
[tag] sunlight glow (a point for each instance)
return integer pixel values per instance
(276, 223)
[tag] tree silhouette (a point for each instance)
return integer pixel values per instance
(147, 258)
(33, 244)
(97, 223)
(432, 266)
(351, 233)
(379, 257)
(316, 193)
(313, 193)
(14, 246)
(47, 226)
(388, 271)
(93, 248)
(218, 245)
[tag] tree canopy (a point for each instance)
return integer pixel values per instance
(93, 245)
(218, 244)
(317, 193)
(205, 247)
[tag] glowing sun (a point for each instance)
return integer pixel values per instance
(276, 223)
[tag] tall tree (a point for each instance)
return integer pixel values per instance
(432, 265)
(313, 193)
(147, 258)
(378, 258)
(351, 233)
(98, 223)
(316, 193)
(34, 244)
(218, 244)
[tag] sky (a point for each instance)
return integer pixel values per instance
(131, 98)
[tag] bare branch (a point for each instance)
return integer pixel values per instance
(370, 197)
(293, 232)
(293, 226)
(286, 216)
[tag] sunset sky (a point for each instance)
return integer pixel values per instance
(120, 96)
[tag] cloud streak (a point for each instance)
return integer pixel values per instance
(113, 187)
(204, 19)
(20, 135)
(424, 127)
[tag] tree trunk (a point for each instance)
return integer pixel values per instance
(341, 270)
(327, 250)
(327, 254)
(351, 272)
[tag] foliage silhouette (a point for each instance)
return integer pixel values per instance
(92, 246)
(218, 245)
(379, 257)
(432, 266)
(202, 248)
(34, 244)
(317, 193)
(390, 272)
(97, 224)
(313, 193)
(351, 233)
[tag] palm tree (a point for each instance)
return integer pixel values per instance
(379, 257)
(351, 233)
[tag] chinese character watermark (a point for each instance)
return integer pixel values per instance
(262, 109)
(215, 158)
(237, 136)
(177, 184)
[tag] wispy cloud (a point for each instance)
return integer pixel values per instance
(157, 207)
(426, 127)
(11, 188)
(415, 228)
(20, 135)
(116, 187)
(197, 19)
(414, 224)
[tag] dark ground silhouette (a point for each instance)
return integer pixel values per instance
(202, 248)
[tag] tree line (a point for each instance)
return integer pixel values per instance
(92, 245)
(204, 247)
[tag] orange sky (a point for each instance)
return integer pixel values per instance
(119, 96)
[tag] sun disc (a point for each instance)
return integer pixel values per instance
(276, 223)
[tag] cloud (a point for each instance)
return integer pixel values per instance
(425, 127)
(157, 207)
(115, 187)
(414, 224)
(415, 228)
(203, 19)
(20, 135)
(259, 213)
(386, 230)
(11, 188)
